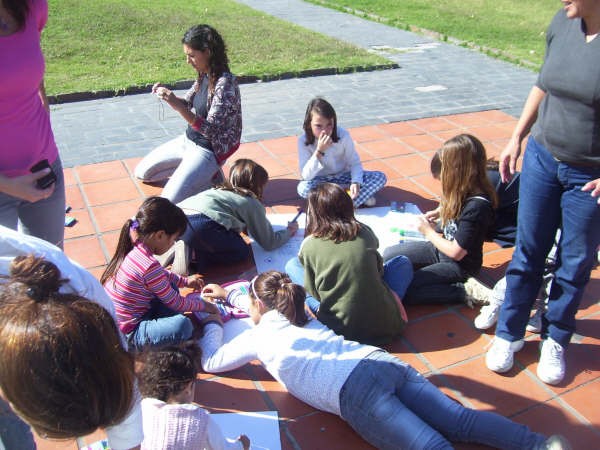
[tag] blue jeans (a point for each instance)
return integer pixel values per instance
(160, 326)
(550, 197)
(397, 273)
(45, 218)
(14, 433)
(189, 166)
(296, 272)
(392, 406)
(213, 243)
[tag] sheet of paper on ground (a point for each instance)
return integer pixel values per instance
(261, 427)
(390, 227)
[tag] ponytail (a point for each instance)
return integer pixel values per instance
(277, 292)
(155, 214)
(124, 246)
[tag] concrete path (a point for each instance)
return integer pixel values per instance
(434, 79)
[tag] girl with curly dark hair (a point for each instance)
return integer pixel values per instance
(212, 109)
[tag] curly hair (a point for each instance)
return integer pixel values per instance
(204, 37)
(167, 371)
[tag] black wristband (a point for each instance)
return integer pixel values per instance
(320, 153)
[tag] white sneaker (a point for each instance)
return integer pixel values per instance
(535, 321)
(487, 316)
(178, 257)
(181, 258)
(500, 356)
(371, 201)
(477, 292)
(551, 368)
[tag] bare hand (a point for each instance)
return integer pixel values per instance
(214, 291)
(292, 227)
(24, 186)
(423, 225)
(508, 159)
(245, 440)
(433, 215)
(354, 190)
(195, 282)
(324, 142)
(163, 92)
(593, 187)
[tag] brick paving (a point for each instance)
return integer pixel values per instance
(397, 118)
(440, 341)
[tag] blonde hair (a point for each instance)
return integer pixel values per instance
(463, 175)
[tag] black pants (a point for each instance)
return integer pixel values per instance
(436, 279)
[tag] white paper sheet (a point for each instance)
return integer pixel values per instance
(261, 427)
(390, 227)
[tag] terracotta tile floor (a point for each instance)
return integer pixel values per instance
(440, 341)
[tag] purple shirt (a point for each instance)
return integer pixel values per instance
(26, 134)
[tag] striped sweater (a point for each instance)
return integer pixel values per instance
(141, 279)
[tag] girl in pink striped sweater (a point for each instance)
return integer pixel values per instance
(146, 296)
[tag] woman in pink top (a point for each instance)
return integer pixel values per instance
(33, 207)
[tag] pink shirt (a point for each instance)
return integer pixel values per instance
(139, 280)
(26, 134)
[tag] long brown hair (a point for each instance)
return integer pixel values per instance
(204, 37)
(155, 214)
(277, 292)
(63, 368)
(18, 9)
(331, 214)
(323, 108)
(246, 178)
(463, 175)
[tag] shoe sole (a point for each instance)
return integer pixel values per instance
(549, 381)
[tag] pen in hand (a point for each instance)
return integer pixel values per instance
(295, 219)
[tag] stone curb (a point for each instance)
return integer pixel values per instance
(186, 84)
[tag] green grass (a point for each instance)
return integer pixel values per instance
(93, 45)
(515, 27)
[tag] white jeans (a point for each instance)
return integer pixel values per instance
(190, 167)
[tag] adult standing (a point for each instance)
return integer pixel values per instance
(212, 108)
(27, 137)
(560, 181)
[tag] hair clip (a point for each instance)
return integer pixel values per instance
(135, 224)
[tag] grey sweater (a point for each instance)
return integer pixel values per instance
(236, 212)
(568, 122)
